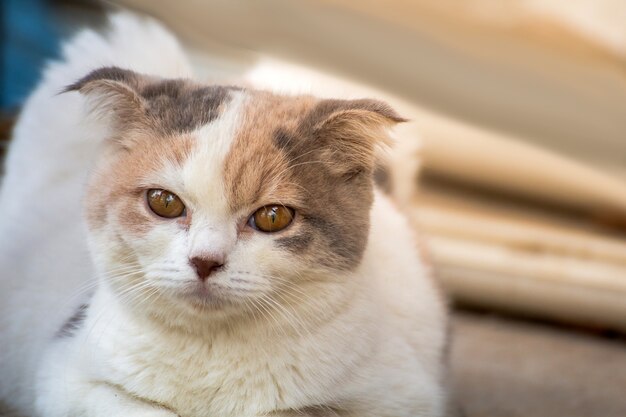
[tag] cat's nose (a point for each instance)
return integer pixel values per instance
(205, 266)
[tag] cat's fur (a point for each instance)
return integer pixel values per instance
(335, 315)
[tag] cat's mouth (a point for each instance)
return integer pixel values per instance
(205, 294)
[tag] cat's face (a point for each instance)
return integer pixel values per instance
(219, 199)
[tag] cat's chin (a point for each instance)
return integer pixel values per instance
(204, 296)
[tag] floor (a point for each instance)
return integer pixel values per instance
(509, 368)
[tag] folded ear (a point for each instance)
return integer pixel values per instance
(113, 93)
(351, 131)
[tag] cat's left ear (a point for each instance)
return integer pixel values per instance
(350, 132)
(113, 93)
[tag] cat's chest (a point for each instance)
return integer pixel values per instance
(221, 376)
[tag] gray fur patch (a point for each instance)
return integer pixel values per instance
(167, 105)
(296, 244)
(74, 323)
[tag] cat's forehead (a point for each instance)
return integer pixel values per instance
(237, 159)
(174, 106)
(180, 106)
(257, 163)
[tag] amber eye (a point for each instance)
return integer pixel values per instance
(165, 204)
(271, 218)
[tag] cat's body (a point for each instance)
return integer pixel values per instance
(334, 315)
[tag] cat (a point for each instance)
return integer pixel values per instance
(179, 249)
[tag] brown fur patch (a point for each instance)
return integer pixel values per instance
(116, 189)
(316, 156)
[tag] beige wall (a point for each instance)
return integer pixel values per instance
(551, 73)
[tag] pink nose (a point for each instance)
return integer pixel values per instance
(205, 266)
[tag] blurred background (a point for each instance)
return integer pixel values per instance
(513, 167)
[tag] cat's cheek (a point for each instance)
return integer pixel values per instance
(95, 215)
(134, 219)
(247, 255)
(255, 259)
(161, 244)
(272, 259)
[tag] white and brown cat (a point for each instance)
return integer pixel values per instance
(172, 248)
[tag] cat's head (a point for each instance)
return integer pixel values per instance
(213, 200)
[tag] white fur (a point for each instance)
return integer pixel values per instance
(369, 340)
(203, 173)
(45, 262)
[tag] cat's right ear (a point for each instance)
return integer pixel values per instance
(113, 93)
